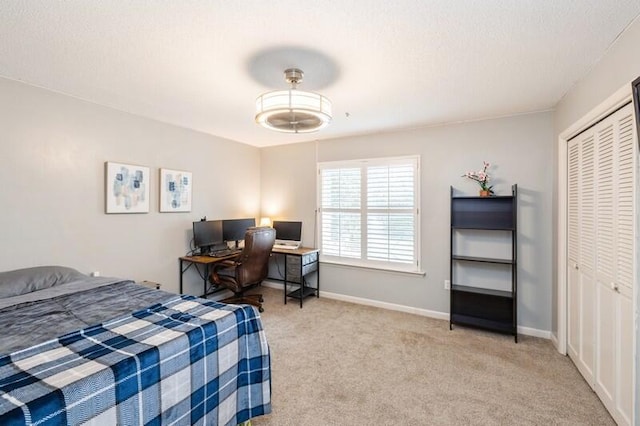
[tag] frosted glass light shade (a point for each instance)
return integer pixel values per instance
(293, 111)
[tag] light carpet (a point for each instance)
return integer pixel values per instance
(338, 363)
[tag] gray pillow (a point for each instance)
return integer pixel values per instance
(22, 281)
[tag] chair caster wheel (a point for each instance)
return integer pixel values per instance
(260, 309)
(261, 300)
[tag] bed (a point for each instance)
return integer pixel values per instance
(76, 349)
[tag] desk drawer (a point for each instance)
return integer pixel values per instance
(310, 258)
(307, 269)
(305, 259)
(296, 266)
(293, 261)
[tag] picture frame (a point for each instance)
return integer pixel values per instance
(126, 188)
(176, 189)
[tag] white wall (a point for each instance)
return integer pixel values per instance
(53, 149)
(521, 151)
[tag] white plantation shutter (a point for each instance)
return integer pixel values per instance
(369, 212)
(340, 199)
(390, 213)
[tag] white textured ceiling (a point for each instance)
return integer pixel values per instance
(389, 64)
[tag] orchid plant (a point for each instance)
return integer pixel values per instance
(482, 177)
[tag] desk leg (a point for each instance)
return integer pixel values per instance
(301, 284)
(181, 273)
(285, 279)
(206, 277)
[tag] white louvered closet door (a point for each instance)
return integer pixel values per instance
(587, 255)
(605, 265)
(581, 275)
(573, 252)
(615, 218)
(602, 164)
(626, 268)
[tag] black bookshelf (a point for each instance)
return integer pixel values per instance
(475, 306)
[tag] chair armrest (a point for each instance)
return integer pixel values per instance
(225, 265)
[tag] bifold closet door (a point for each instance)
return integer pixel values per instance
(588, 253)
(602, 173)
(581, 274)
(615, 230)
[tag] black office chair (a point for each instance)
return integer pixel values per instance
(247, 270)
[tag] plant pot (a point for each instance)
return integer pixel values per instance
(485, 193)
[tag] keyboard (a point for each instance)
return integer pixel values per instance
(223, 253)
(284, 246)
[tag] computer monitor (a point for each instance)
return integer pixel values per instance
(288, 232)
(234, 229)
(207, 235)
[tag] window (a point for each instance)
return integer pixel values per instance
(368, 212)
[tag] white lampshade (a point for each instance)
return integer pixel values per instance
(265, 221)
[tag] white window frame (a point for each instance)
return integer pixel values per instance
(414, 160)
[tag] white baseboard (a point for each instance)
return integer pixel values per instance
(386, 305)
(527, 331)
(534, 332)
(556, 342)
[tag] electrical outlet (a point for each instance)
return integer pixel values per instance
(95, 274)
(447, 285)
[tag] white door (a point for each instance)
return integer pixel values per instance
(581, 255)
(615, 236)
(587, 255)
(625, 264)
(602, 168)
(573, 246)
(605, 375)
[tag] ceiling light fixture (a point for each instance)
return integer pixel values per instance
(293, 110)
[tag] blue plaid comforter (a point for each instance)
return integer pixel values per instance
(185, 361)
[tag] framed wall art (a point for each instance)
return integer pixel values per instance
(126, 188)
(175, 190)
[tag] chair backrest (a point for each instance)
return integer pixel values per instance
(254, 259)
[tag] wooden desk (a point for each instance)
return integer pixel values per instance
(298, 263)
(206, 261)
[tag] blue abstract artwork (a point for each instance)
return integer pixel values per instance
(175, 191)
(126, 188)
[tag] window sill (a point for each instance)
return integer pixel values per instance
(373, 268)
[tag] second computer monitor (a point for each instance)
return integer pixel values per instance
(287, 231)
(234, 229)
